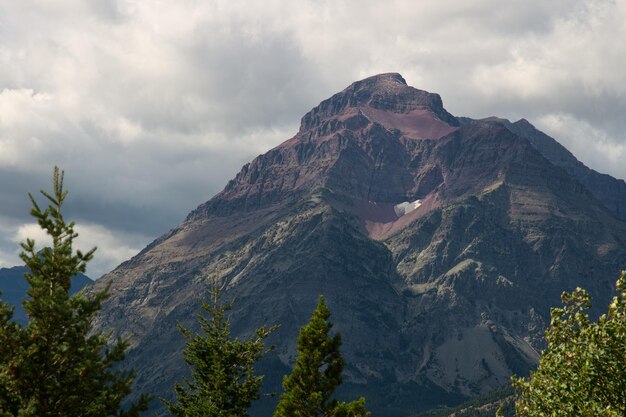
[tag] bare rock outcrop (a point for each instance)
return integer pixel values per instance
(439, 242)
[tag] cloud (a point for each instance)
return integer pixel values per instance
(152, 106)
(113, 247)
(578, 133)
(32, 231)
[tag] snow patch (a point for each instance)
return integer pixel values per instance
(406, 207)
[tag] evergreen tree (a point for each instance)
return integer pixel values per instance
(223, 381)
(9, 341)
(583, 370)
(316, 374)
(56, 366)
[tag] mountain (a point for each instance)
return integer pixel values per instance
(14, 286)
(440, 244)
(487, 405)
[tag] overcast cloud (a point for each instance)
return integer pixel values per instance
(150, 106)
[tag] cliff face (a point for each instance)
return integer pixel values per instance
(350, 142)
(439, 243)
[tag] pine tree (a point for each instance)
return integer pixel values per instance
(583, 370)
(223, 381)
(9, 341)
(316, 374)
(56, 366)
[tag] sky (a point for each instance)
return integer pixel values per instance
(151, 106)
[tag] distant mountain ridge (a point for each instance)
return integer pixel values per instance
(435, 304)
(610, 191)
(14, 286)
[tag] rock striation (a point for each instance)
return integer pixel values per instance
(440, 244)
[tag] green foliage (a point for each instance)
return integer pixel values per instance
(223, 381)
(9, 342)
(56, 366)
(316, 374)
(583, 371)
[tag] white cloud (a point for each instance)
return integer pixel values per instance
(592, 145)
(34, 232)
(113, 247)
(151, 106)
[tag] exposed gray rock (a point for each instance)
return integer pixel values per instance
(435, 304)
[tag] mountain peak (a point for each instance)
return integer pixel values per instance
(382, 81)
(439, 247)
(387, 92)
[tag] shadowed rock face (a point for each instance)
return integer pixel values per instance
(356, 142)
(435, 304)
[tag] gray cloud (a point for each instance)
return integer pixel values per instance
(152, 106)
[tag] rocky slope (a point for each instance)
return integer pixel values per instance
(440, 244)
